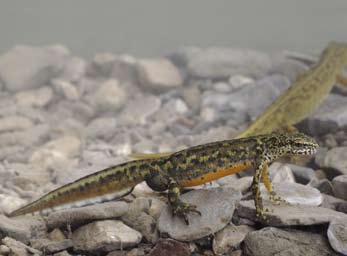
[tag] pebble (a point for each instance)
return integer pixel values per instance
(25, 67)
(340, 186)
(23, 228)
(229, 238)
(102, 64)
(34, 98)
(74, 69)
(295, 193)
(105, 236)
(216, 206)
(49, 246)
(15, 123)
(337, 235)
(170, 247)
(192, 96)
(18, 248)
(323, 185)
(125, 68)
(281, 173)
(275, 241)
(102, 128)
(220, 63)
(75, 216)
(238, 81)
(336, 158)
(158, 74)
(110, 96)
(328, 117)
(67, 89)
(289, 215)
(303, 175)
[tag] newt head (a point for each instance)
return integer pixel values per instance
(291, 144)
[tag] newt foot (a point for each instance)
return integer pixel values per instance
(182, 209)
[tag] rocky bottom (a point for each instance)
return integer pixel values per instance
(63, 117)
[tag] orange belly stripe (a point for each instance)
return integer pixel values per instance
(214, 175)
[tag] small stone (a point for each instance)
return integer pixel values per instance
(102, 64)
(289, 215)
(340, 186)
(192, 96)
(49, 246)
(324, 186)
(332, 202)
(73, 70)
(303, 175)
(275, 241)
(170, 247)
(337, 235)
(22, 228)
(295, 193)
(328, 117)
(237, 81)
(25, 67)
(15, 123)
(125, 69)
(229, 238)
(336, 158)
(102, 128)
(288, 67)
(216, 206)
(56, 235)
(18, 248)
(158, 74)
(67, 89)
(105, 236)
(281, 173)
(4, 250)
(34, 98)
(242, 184)
(140, 109)
(63, 253)
(156, 208)
(110, 96)
(79, 215)
(220, 63)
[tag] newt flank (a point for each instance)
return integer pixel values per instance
(189, 167)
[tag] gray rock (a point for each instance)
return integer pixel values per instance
(336, 158)
(340, 186)
(289, 215)
(18, 248)
(192, 96)
(219, 63)
(170, 247)
(242, 184)
(67, 89)
(290, 68)
(22, 228)
(332, 202)
(35, 97)
(102, 64)
(25, 67)
(102, 128)
(105, 236)
(137, 217)
(281, 173)
(216, 207)
(229, 238)
(125, 69)
(238, 81)
(4, 250)
(303, 175)
(73, 70)
(323, 185)
(139, 110)
(156, 208)
(49, 246)
(341, 206)
(181, 56)
(63, 253)
(273, 241)
(15, 123)
(110, 96)
(79, 215)
(295, 193)
(337, 235)
(328, 117)
(158, 74)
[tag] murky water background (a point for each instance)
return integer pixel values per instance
(149, 28)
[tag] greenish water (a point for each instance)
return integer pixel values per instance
(149, 28)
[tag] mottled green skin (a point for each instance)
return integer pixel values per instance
(170, 172)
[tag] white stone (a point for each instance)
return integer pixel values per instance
(15, 123)
(66, 88)
(34, 98)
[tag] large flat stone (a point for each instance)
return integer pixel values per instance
(216, 206)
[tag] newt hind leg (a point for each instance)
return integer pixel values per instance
(274, 197)
(179, 208)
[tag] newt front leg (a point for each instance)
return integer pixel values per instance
(274, 197)
(179, 208)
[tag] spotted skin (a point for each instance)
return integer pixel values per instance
(189, 167)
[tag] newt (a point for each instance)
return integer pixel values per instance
(186, 168)
(305, 94)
